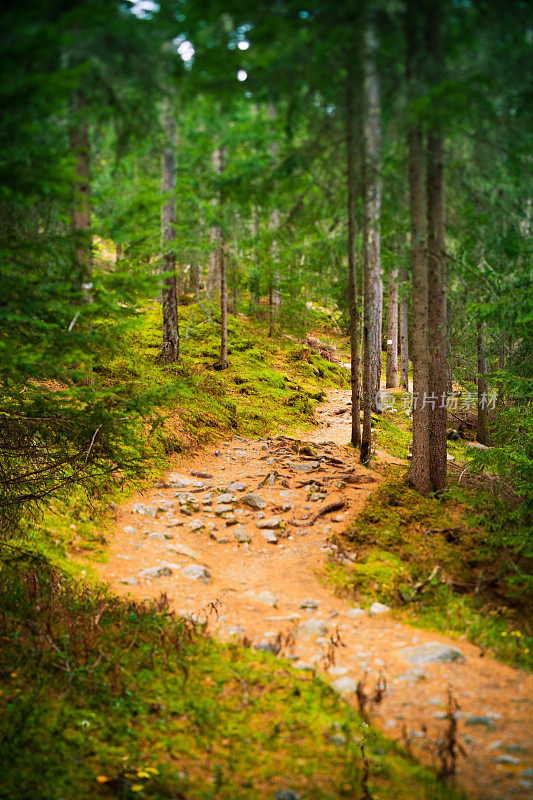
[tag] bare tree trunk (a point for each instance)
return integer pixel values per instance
(81, 199)
(392, 332)
(436, 222)
(213, 271)
(221, 265)
(274, 225)
(418, 474)
(371, 192)
(170, 347)
(483, 435)
(352, 271)
(404, 334)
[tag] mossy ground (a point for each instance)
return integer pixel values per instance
(105, 698)
(475, 538)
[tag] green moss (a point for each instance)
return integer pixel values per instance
(142, 705)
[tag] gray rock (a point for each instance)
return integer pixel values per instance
(227, 497)
(377, 608)
(487, 721)
(287, 794)
(240, 453)
(156, 536)
(223, 508)
(527, 772)
(236, 630)
(230, 518)
(476, 445)
(165, 505)
(195, 525)
(175, 481)
(311, 627)
(305, 467)
(241, 534)
(338, 671)
(431, 653)
(308, 603)
(270, 536)
(268, 598)
(146, 511)
(155, 572)
(303, 665)
(337, 738)
(354, 612)
(344, 685)
(237, 487)
(268, 647)
(271, 522)
(201, 474)
(314, 497)
(506, 759)
(182, 550)
(129, 530)
(253, 501)
(129, 581)
(411, 677)
(196, 572)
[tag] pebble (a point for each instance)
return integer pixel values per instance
(129, 530)
(311, 627)
(271, 522)
(378, 608)
(146, 511)
(338, 671)
(506, 759)
(355, 612)
(175, 481)
(254, 501)
(488, 721)
(223, 508)
(227, 497)
(268, 598)
(344, 685)
(196, 572)
(431, 653)
(129, 581)
(237, 487)
(241, 534)
(165, 505)
(182, 550)
(310, 604)
(270, 536)
(195, 525)
(155, 572)
(287, 794)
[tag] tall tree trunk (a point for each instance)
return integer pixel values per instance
(81, 195)
(352, 272)
(213, 271)
(392, 332)
(170, 347)
(371, 191)
(221, 266)
(436, 223)
(483, 435)
(418, 474)
(404, 333)
(273, 223)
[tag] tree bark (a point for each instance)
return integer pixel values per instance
(273, 223)
(352, 270)
(221, 267)
(483, 435)
(213, 271)
(392, 332)
(170, 347)
(371, 192)
(436, 222)
(81, 194)
(418, 474)
(404, 333)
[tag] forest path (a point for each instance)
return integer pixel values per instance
(260, 587)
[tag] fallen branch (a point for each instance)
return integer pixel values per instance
(336, 506)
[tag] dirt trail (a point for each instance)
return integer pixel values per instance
(261, 587)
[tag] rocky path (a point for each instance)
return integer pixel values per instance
(246, 526)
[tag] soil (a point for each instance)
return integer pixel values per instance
(497, 760)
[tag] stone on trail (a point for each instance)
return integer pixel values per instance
(175, 481)
(237, 487)
(241, 534)
(431, 653)
(338, 671)
(378, 608)
(129, 530)
(227, 497)
(165, 505)
(311, 627)
(355, 612)
(271, 522)
(223, 508)
(287, 794)
(344, 685)
(182, 550)
(195, 525)
(308, 603)
(200, 474)
(196, 572)
(270, 536)
(305, 467)
(411, 676)
(488, 721)
(146, 511)
(156, 536)
(253, 501)
(129, 581)
(155, 572)
(268, 598)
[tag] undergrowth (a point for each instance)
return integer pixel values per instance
(105, 698)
